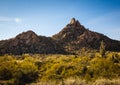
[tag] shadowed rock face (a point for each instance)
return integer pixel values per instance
(71, 38)
(29, 42)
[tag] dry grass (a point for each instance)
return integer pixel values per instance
(74, 81)
(77, 81)
(107, 82)
(68, 81)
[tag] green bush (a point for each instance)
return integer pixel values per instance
(18, 72)
(26, 72)
(6, 70)
(103, 68)
(29, 68)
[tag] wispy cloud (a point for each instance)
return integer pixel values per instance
(7, 19)
(17, 20)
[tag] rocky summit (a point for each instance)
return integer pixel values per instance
(73, 37)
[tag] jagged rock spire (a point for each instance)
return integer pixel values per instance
(74, 22)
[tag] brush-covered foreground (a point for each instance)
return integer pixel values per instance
(40, 69)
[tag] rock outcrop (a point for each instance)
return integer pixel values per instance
(73, 37)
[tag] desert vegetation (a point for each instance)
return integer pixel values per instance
(41, 69)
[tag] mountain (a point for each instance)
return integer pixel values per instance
(29, 42)
(73, 37)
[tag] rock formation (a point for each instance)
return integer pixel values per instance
(73, 37)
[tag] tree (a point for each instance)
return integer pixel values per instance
(102, 48)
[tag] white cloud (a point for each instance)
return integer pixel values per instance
(7, 19)
(17, 20)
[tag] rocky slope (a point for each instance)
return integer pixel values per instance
(73, 37)
(29, 42)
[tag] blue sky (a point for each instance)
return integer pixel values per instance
(48, 17)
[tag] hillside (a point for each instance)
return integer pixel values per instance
(29, 42)
(73, 37)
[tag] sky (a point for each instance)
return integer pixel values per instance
(48, 17)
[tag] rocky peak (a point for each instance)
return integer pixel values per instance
(74, 22)
(27, 35)
(71, 31)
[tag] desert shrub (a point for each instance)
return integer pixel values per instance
(6, 58)
(6, 70)
(5, 73)
(59, 69)
(26, 72)
(103, 68)
(64, 67)
(18, 72)
(115, 57)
